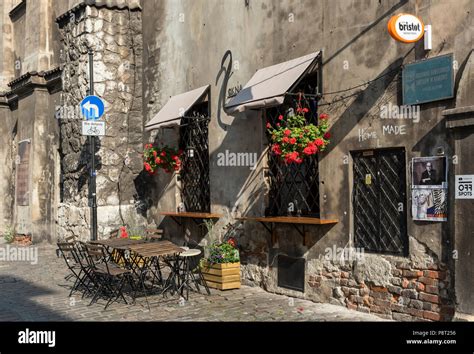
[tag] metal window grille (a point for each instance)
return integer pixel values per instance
(194, 174)
(294, 188)
(22, 173)
(380, 201)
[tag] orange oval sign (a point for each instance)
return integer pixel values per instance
(406, 28)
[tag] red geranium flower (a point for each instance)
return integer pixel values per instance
(276, 149)
(292, 141)
(287, 132)
(327, 135)
(323, 116)
(285, 140)
(123, 232)
(280, 117)
(319, 142)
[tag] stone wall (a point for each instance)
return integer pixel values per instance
(115, 37)
(399, 290)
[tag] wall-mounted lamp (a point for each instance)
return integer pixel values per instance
(190, 151)
(427, 38)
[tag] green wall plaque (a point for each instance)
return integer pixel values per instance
(428, 80)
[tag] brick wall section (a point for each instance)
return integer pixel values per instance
(413, 295)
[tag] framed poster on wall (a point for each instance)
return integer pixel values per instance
(429, 172)
(429, 204)
(429, 188)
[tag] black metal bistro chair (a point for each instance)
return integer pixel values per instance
(70, 255)
(109, 276)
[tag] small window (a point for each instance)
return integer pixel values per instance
(294, 188)
(194, 174)
(22, 173)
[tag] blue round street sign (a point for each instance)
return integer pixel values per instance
(92, 107)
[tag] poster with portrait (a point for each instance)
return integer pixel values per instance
(430, 172)
(430, 188)
(429, 204)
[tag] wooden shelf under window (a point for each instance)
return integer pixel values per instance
(191, 215)
(292, 220)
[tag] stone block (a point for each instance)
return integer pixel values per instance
(381, 295)
(428, 281)
(410, 293)
(395, 289)
(374, 269)
(417, 304)
(412, 273)
(435, 274)
(402, 317)
(433, 316)
(396, 281)
(429, 298)
(431, 289)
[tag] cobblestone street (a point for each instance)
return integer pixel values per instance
(38, 292)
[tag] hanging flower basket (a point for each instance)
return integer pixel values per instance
(293, 140)
(163, 157)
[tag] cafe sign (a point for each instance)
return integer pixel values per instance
(406, 28)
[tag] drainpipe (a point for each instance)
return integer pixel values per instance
(93, 173)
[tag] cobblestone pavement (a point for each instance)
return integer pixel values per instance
(39, 292)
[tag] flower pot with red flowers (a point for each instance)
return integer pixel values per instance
(293, 139)
(164, 157)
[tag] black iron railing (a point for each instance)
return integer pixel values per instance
(294, 188)
(194, 174)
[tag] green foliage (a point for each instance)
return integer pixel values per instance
(9, 234)
(225, 252)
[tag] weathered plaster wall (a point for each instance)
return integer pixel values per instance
(115, 37)
(460, 120)
(6, 161)
(184, 45)
(6, 45)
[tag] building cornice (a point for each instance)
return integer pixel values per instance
(459, 117)
(110, 4)
(25, 84)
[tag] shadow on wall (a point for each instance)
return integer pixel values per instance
(84, 164)
(427, 146)
(16, 301)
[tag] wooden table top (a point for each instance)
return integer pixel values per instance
(191, 215)
(155, 249)
(117, 242)
(291, 220)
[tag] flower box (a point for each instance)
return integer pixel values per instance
(222, 276)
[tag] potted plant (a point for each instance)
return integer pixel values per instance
(293, 139)
(163, 157)
(221, 269)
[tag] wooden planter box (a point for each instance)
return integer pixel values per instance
(222, 276)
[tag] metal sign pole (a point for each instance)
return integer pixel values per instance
(92, 177)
